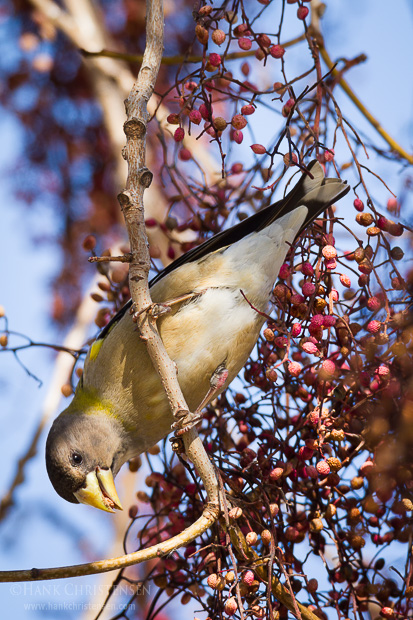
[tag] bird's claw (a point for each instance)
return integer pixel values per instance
(185, 421)
(155, 311)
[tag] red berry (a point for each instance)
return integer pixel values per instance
(323, 468)
(310, 347)
(248, 577)
(308, 289)
(179, 134)
(238, 121)
(392, 205)
(302, 12)
(238, 136)
(215, 59)
(277, 51)
(258, 149)
(328, 367)
(345, 280)
(294, 368)
(173, 119)
(184, 154)
(195, 117)
(264, 40)
(329, 154)
(205, 112)
(329, 251)
(247, 109)
(218, 36)
(358, 204)
(373, 327)
(236, 168)
(244, 43)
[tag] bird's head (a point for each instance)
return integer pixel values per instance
(83, 455)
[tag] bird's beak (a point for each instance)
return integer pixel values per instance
(99, 491)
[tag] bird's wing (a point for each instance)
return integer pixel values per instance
(312, 190)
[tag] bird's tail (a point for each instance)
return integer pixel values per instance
(316, 193)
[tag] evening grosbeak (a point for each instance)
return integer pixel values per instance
(120, 408)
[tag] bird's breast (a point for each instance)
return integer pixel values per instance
(218, 327)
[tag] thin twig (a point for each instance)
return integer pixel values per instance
(178, 59)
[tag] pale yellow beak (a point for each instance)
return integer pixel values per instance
(100, 491)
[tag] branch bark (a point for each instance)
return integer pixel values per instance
(131, 201)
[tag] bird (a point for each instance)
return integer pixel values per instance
(219, 293)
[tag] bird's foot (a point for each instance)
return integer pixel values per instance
(155, 311)
(185, 421)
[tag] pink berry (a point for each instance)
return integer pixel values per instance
(213, 580)
(305, 453)
(317, 320)
(173, 119)
(307, 269)
(373, 327)
(230, 606)
(247, 109)
(311, 471)
(297, 299)
(276, 474)
(264, 40)
(244, 43)
(294, 368)
(248, 577)
(179, 134)
(237, 168)
(277, 51)
(310, 348)
(191, 85)
(345, 280)
(296, 330)
(358, 205)
(238, 136)
(302, 12)
(251, 539)
(334, 295)
(285, 271)
(281, 342)
(383, 370)
(396, 230)
(258, 149)
(329, 155)
(373, 304)
(218, 36)
(215, 59)
(329, 321)
(392, 205)
(195, 117)
(323, 468)
(330, 263)
(328, 367)
(387, 612)
(185, 154)
(287, 107)
(238, 121)
(205, 112)
(329, 251)
(308, 289)
(151, 222)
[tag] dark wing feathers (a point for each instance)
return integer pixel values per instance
(316, 193)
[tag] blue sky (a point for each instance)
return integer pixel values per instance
(36, 534)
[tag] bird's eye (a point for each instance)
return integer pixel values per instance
(76, 458)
